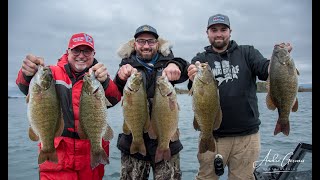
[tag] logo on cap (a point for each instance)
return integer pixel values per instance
(146, 28)
(81, 39)
(218, 18)
(85, 37)
(88, 38)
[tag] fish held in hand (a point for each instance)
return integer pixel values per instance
(164, 118)
(44, 113)
(135, 112)
(282, 86)
(206, 106)
(93, 118)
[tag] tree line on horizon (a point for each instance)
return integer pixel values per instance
(261, 88)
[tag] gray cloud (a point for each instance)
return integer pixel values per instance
(44, 27)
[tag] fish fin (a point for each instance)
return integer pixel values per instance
(81, 133)
(175, 136)
(32, 135)
(108, 135)
(59, 127)
(295, 105)
(126, 129)
(298, 73)
(201, 91)
(282, 127)
(99, 157)
(190, 93)
(162, 154)
(50, 156)
(218, 120)
(195, 124)
(269, 102)
(27, 98)
(207, 144)
(152, 132)
(146, 125)
(138, 147)
(129, 100)
(172, 104)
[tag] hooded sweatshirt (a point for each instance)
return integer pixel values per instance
(236, 71)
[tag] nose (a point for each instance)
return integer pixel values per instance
(146, 44)
(81, 54)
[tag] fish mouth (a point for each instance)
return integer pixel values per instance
(96, 90)
(169, 94)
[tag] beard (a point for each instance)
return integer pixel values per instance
(80, 67)
(219, 44)
(146, 54)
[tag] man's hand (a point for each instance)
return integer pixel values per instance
(100, 71)
(30, 64)
(286, 45)
(192, 71)
(125, 71)
(172, 71)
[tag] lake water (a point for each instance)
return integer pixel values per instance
(22, 152)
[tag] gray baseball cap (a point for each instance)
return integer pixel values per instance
(146, 29)
(218, 19)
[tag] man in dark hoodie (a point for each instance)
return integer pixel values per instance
(151, 55)
(236, 68)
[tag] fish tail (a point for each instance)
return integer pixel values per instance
(282, 127)
(50, 156)
(138, 147)
(162, 154)
(207, 144)
(99, 157)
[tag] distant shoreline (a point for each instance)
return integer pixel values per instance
(261, 88)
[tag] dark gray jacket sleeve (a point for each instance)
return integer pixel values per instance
(258, 63)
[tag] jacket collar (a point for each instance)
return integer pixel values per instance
(126, 49)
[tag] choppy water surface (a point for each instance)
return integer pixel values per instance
(22, 160)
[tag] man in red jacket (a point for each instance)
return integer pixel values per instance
(73, 152)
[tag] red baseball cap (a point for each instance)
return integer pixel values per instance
(81, 39)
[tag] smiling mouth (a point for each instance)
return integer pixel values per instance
(80, 61)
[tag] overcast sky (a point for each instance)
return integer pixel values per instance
(44, 28)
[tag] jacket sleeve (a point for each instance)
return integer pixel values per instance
(23, 82)
(199, 57)
(183, 66)
(258, 63)
(112, 92)
(118, 82)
